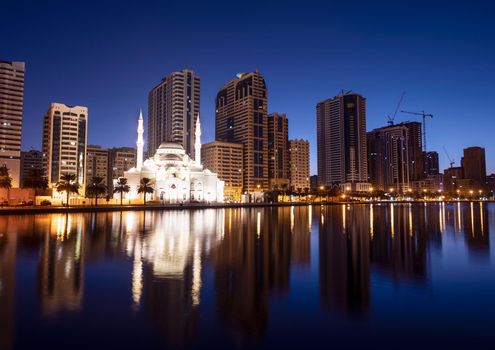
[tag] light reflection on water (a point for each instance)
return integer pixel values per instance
(242, 277)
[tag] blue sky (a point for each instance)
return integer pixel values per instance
(108, 55)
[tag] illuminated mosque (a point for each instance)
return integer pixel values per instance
(175, 177)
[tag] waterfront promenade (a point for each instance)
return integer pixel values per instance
(16, 210)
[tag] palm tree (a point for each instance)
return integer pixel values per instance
(299, 192)
(145, 187)
(68, 185)
(36, 179)
(5, 179)
(275, 192)
(121, 187)
(96, 188)
(285, 189)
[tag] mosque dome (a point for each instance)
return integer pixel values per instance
(170, 152)
(170, 145)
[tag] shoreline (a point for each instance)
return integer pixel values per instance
(30, 210)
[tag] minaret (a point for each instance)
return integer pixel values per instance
(197, 144)
(140, 142)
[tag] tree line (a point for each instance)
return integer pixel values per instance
(68, 185)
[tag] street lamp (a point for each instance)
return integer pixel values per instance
(391, 191)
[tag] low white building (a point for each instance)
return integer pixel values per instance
(175, 177)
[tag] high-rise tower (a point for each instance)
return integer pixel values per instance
(431, 163)
(65, 140)
(11, 106)
(173, 107)
(388, 158)
(299, 164)
(241, 116)
(278, 149)
(341, 137)
(415, 149)
(474, 166)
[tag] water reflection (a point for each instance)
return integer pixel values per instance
(8, 251)
(344, 258)
(61, 265)
(236, 262)
(402, 253)
(475, 227)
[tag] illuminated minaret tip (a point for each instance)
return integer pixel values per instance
(140, 142)
(197, 144)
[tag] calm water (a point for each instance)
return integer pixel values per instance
(391, 276)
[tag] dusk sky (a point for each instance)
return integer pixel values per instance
(108, 55)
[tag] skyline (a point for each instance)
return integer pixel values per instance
(121, 56)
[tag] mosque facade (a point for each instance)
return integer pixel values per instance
(174, 176)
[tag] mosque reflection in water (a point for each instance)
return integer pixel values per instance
(250, 254)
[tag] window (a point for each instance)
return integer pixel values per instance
(257, 104)
(258, 171)
(258, 145)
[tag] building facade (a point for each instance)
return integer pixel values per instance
(388, 158)
(11, 108)
(299, 165)
(120, 160)
(474, 167)
(65, 138)
(431, 163)
(415, 149)
(452, 179)
(241, 117)
(97, 163)
(173, 108)
(313, 180)
(278, 149)
(30, 160)
(225, 159)
(341, 137)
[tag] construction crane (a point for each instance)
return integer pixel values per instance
(390, 120)
(448, 156)
(424, 116)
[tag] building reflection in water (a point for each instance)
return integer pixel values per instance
(398, 247)
(8, 251)
(61, 265)
(475, 227)
(253, 260)
(301, 219)
(168, 249)
(394, 239)
(251, 253)
(344, 258)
